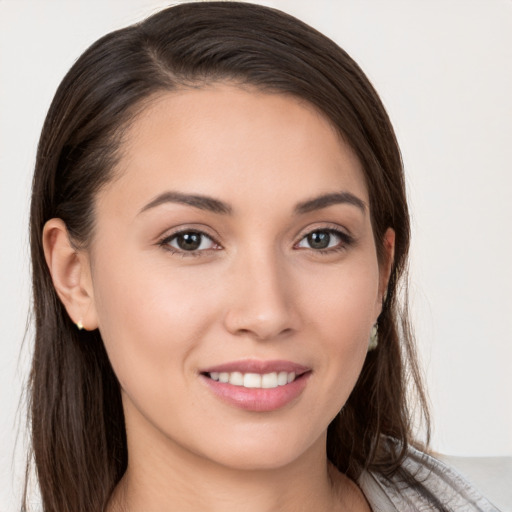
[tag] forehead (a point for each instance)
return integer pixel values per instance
(224, 140)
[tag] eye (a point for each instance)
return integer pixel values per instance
(189, 241)
(322, 239)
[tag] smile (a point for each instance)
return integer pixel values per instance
(258, 386)
(254, 380)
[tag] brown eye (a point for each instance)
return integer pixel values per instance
(190, 241)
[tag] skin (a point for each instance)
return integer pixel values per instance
(255, 289)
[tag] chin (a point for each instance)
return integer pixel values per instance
(264, 452)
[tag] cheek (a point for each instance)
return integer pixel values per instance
(341, 315)
(149, 319)
(343, 301)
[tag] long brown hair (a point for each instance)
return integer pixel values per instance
(76, 415)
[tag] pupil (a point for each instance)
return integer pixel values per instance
(189, 241)
(319, 240)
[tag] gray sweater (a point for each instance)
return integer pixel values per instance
(450, 488)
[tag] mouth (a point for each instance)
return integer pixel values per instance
(257, 385)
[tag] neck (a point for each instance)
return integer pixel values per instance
(179, 480)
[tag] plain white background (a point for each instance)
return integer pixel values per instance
(443, 69)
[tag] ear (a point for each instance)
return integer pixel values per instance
(388, 257)
(71, 274)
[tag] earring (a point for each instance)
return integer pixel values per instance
(374, 338)
(79, 325)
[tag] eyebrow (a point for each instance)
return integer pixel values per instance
(216, 206)
(197, 201)
(326, 200)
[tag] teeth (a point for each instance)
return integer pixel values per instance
(282, 378)
(254, 380)
(269, 380)
(236, 378)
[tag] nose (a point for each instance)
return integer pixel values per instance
(261, 299)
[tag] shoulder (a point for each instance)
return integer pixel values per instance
(422, 483)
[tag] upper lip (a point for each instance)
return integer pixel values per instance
(258, 366)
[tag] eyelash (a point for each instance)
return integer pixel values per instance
(165, 243)
(345, 242)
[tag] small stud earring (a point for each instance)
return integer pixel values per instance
(80, 325)
(374, 338)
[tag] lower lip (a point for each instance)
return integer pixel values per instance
(258, 399)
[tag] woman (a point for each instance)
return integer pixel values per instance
(218, 229)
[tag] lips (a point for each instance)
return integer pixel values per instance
(257, 385)
(257, 366)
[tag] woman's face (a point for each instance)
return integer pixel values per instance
(235, 245)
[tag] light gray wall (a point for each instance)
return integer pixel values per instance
(443, 69)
